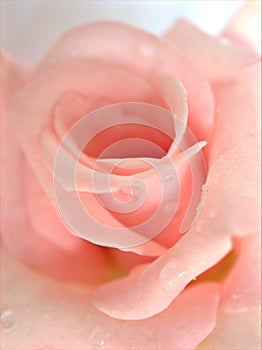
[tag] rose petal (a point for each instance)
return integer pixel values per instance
(204, 50)
(242, 287)
(236, 169)
(14, 76)
(232, 207)
(44, 99)
(150, 248)
(67, 256)
(71, 107)
(245, 26)
(44, 314)
(150, 180)
(175, 95)
(145, 53)
(235, 331)
(101, 81)
(119, 140)
(162, 281)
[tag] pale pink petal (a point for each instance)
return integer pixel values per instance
(28, 224)
(231, 207)
(126, 261)
(235, 157)
(144, 53)
(71, 107)
(163, 280)
(42, 314)
(174, 94)
(242, 287)
(120, 140)
(65, 257)
(150, 248)
(32, 118)
(235, 331)
(245, 26)
(153, 199)
(67, 75)
(218, 58)
(14, 76)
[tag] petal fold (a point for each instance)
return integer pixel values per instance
(70, 321)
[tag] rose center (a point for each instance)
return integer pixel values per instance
(128, 141)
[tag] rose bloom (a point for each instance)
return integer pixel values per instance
(198, 289)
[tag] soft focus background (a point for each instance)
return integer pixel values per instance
(29, 27)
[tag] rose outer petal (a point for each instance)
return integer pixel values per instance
(28, 228)
(242, 287)
(245, 26)
(235, 331)
(218, 58)
(40, 314)
(238, 324)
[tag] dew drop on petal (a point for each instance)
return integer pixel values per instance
(99, 345)
(7, 319)
(173, 275)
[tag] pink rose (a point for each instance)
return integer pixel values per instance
(185, 272)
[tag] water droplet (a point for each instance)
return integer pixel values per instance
(173, 275)
(252, 131)
(7, 319)
(169, 177)
(99, 345)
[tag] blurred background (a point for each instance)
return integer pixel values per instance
(29, 27)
